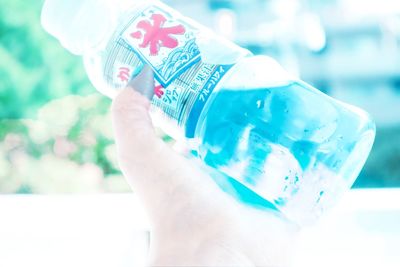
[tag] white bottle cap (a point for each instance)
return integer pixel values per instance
(79, 25)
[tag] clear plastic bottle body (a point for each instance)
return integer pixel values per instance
(271, 135)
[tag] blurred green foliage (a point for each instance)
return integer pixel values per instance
(34, 68)
(61, 152)
(50, 141)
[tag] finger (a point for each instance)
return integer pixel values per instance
(164, 180)
(134, 132)
(138, 148)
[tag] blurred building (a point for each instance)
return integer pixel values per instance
(349, 49)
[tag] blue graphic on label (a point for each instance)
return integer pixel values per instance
(183, 82)
(168, 45)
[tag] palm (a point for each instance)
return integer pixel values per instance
(208, 226)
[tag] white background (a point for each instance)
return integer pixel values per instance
(111, 230)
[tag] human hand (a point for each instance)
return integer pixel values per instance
(193, 222)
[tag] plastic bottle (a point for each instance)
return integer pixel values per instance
(276, 140)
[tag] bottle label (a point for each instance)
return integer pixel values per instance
(167, 43)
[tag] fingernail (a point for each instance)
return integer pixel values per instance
(144, 82)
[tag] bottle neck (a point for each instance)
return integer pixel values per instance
(121, 12)
(80, 25)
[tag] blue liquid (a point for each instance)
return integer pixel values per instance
(271, 140)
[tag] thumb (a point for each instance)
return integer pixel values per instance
(164, 180)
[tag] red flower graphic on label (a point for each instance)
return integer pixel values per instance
(123, 74)
(159, 91)
(157, 36)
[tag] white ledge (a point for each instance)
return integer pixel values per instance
(112, 230)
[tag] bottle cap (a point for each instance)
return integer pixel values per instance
(79, 25)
